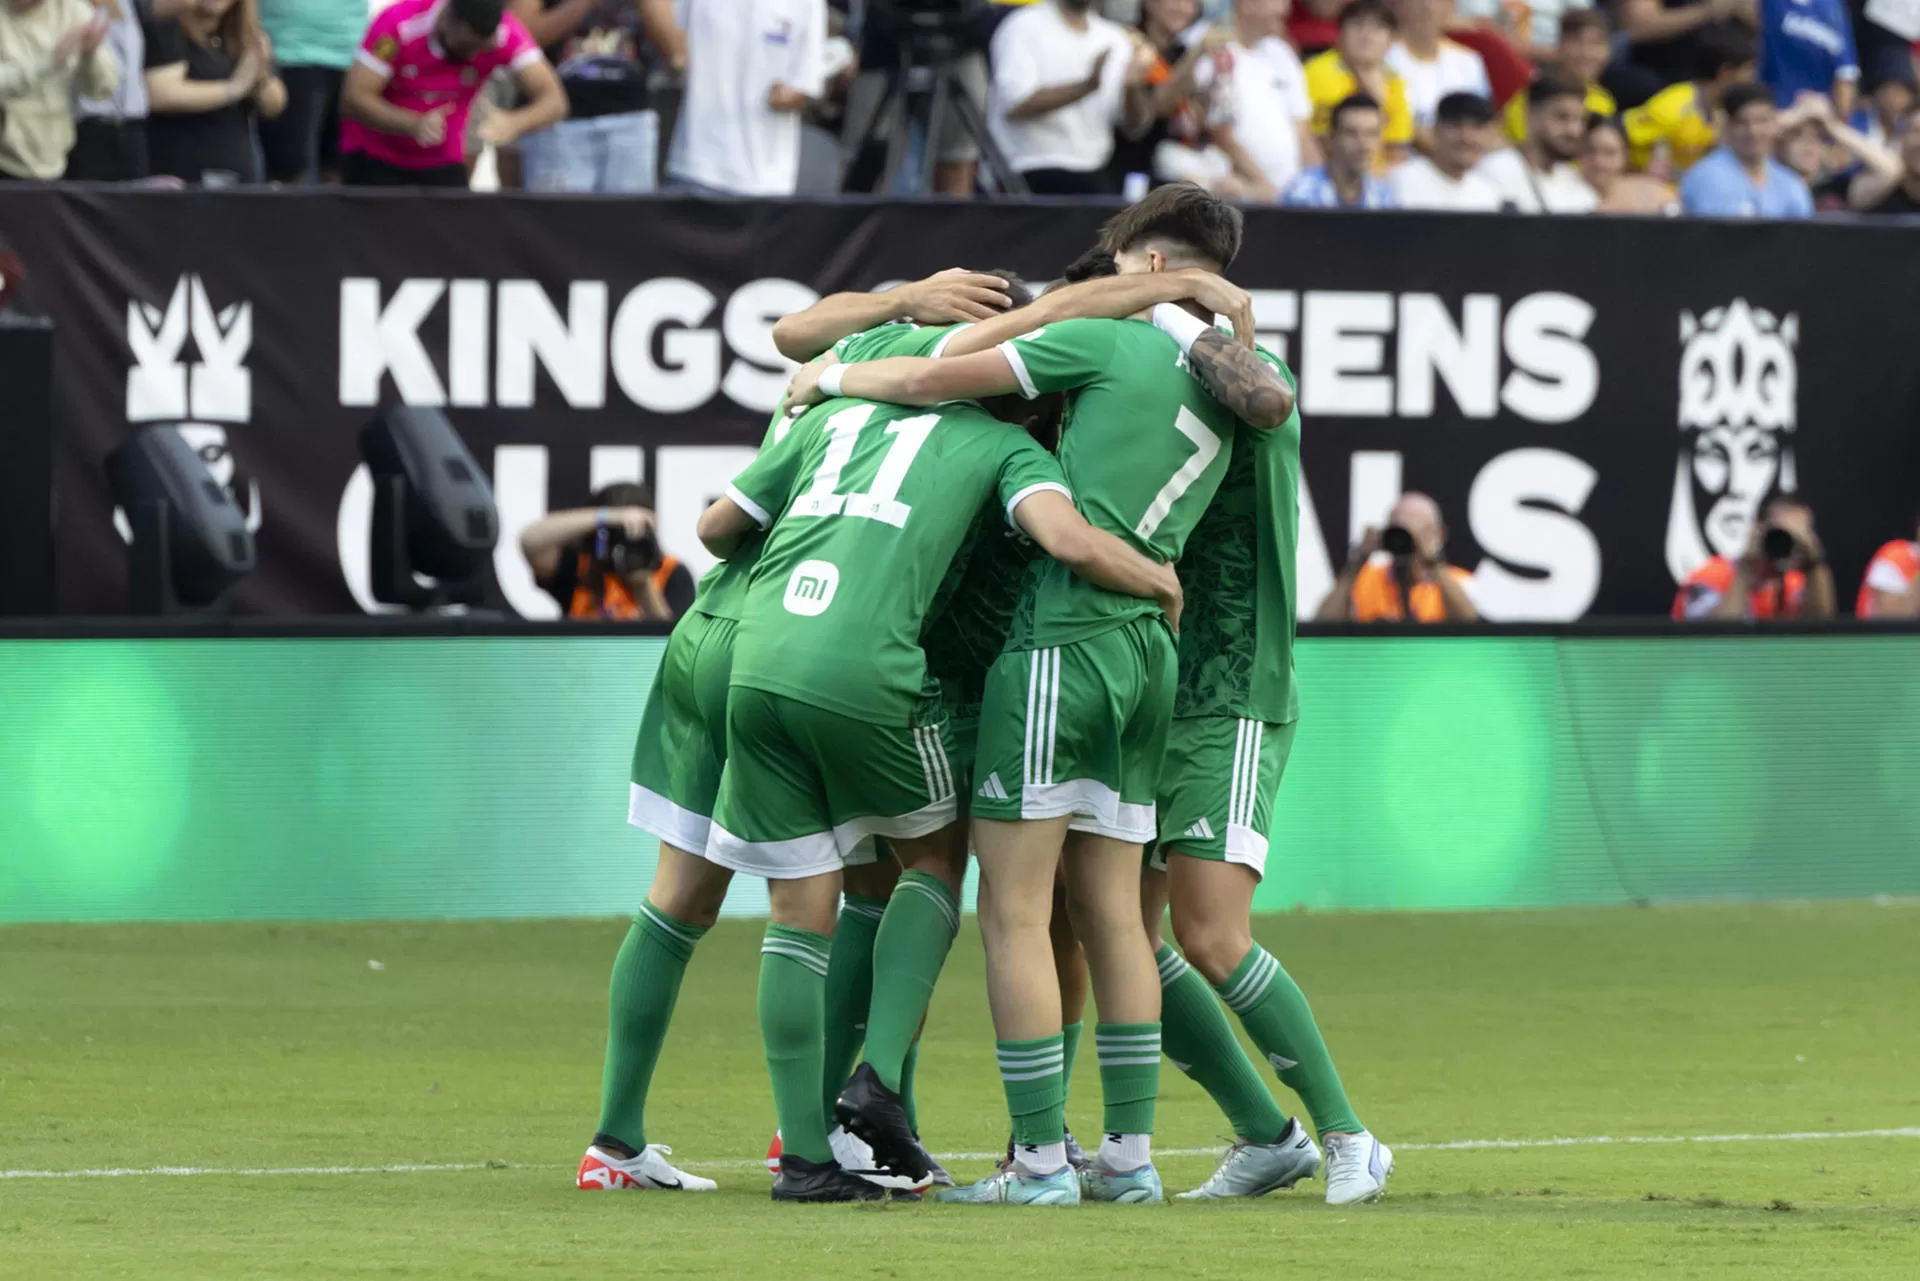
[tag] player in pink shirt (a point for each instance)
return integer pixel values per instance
(407, 96)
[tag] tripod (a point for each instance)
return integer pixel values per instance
(919, 89)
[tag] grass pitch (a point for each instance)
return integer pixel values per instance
(260, 1047)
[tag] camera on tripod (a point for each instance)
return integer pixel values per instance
(933, 30)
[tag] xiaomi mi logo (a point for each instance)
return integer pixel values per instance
(810, 589)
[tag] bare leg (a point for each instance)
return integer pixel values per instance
(687, 887)
(1103, 897)
(1017, 862)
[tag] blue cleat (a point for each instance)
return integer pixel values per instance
(1136, 1187)
(1013, 1186)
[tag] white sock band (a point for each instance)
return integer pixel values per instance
(1124, 1153)
(1041, 1158)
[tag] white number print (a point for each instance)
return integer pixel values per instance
(1206, 447)
(881, 502)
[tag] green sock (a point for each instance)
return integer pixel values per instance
(906, 1086)
(1070, 1048)
(849, 990)
(640, 999)
(793, 986)
(1197, 1037)
(1129, 1075)
(1275, 1013)
(915, 936)
(1036, 1089)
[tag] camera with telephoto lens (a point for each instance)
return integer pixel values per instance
(1396, 542)
(1779, 545)
(624, 555)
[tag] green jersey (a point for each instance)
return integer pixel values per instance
(869, 505)
(723, 589)
(967, 630)
(1236, 635)
(1143, 446)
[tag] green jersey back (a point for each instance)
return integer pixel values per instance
(869, 505)
(723, 589)
(1236, 634)
(1143, 446)
(967, 630)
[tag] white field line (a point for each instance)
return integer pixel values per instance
(1457, 1145)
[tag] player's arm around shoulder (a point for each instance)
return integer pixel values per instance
(1239, 376)
(1047, 515)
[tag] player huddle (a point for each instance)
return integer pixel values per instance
(931, 633)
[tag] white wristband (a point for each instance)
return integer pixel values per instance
(1179, 324)
(830, 380)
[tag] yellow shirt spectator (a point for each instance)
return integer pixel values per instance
(1674, 116)
(1599, 103)
(1329, 83)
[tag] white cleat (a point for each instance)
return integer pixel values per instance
(1255, 1169)
(856, 1158)
(1357, 1168)
(602, 1171)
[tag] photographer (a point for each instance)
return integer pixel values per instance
(1401, 571)
(1783, 574)
(605, 561)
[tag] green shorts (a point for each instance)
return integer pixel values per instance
(1079, 730)
(1217, 789)
(807, 789)
(682, 746)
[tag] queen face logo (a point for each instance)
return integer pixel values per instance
(199, 395)
(1739, 392)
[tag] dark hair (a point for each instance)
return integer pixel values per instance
(1740, 97)
(1724, 45)
(1572, 24)
(1901, 75)
(1091, 265)
(1597, 122)
(1018, 289)
(1552, 86)
(1352, 102)
(625, 493)
(483, 16)
(1462, 109)
(1186, 215)
(1378, 10)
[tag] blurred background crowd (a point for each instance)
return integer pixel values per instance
(1769, 108)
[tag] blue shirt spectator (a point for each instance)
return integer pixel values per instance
(1721, 187)
(1315, 189)
(1806, 46)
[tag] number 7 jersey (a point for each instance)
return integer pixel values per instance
(869, 505)
(1144, 447)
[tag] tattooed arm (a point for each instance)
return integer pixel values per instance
(1239, 379)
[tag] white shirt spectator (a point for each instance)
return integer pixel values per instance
(1419, 184)
(737, 50)
(1034, 49)
(1267, 93)
(1561, 190)
(1453, 69)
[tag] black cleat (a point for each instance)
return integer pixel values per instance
(802, 1180)
(869, 1110)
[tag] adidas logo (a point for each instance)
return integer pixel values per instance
(993, 789)
(1201, 831)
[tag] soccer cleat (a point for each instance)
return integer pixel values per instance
(1014, 1186)
(1135, 1187)
(603, 1171)
(1357, 1168)
(872, 1112)
(1255, 1169)
(803, 1180)
(856, 1158)
(936, 1172)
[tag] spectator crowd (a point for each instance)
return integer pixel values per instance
(1726, 108)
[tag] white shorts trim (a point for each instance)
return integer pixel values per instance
(855, 837)
(1247, 847)
(789, 860)
(681, 828)
(1095, 808)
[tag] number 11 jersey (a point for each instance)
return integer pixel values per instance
(869, 504)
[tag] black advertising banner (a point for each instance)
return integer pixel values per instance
(1597, 404)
